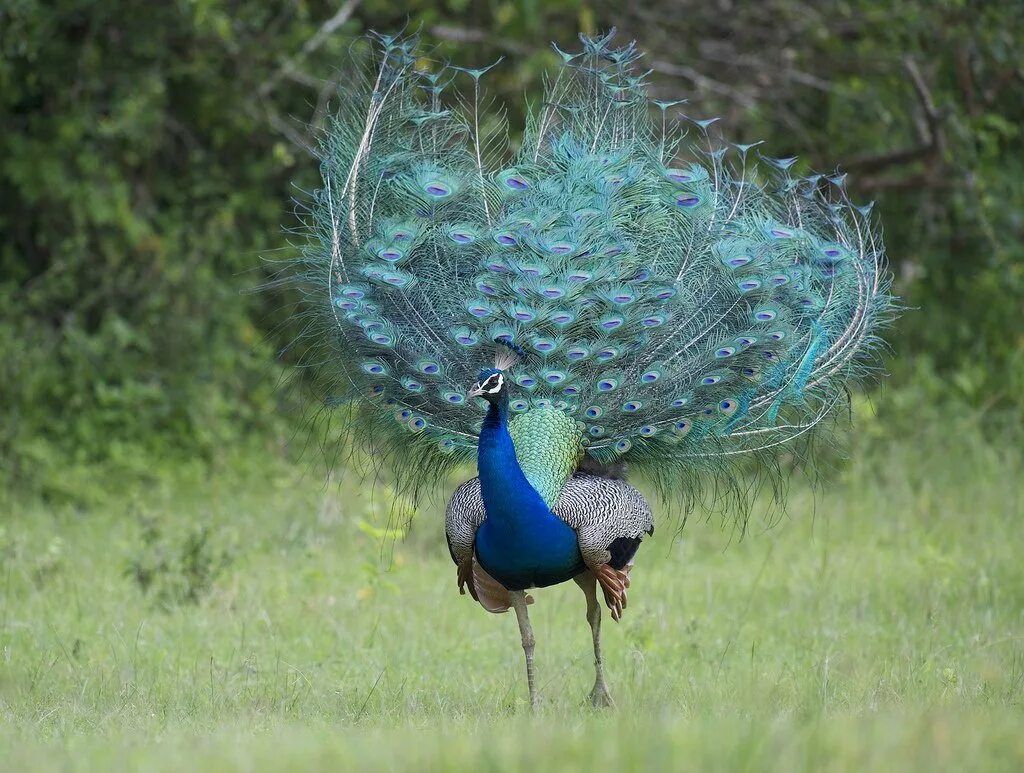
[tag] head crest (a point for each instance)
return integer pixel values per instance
(507, 354)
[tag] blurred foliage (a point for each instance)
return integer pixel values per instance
(149, 153)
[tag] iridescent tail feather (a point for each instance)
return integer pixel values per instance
(689, 303)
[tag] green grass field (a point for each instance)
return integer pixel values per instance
(250, 623)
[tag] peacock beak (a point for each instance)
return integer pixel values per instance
(475, 390)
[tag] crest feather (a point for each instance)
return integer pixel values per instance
(507, 354)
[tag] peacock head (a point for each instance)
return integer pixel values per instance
(491, 385)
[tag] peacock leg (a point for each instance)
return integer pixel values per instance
(599, 696)
(519, 601)
(465, 578)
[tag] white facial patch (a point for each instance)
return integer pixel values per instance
(493, 384)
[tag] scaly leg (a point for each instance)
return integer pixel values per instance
(519, 601)
(599, 696)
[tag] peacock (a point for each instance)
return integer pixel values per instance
(622, 291)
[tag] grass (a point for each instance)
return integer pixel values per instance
(251, 623)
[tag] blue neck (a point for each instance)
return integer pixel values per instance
(509, 499)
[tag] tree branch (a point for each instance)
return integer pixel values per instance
(311, 45)
(911, 182)
(469, 35)
(932, 143)
(703, 81)
(294, 136)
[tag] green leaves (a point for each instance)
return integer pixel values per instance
(146, 166)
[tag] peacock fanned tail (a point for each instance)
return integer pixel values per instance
(688, 304)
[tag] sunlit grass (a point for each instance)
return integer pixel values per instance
(878, 627)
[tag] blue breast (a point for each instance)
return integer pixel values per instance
(544, 551)
(521, 543)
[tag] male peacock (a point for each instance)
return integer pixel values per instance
(649, 297)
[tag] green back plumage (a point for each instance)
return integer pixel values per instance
(549, 445)
(683, 303)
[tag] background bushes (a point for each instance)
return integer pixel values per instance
(150, 152)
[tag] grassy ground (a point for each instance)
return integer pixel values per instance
(249, 625)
